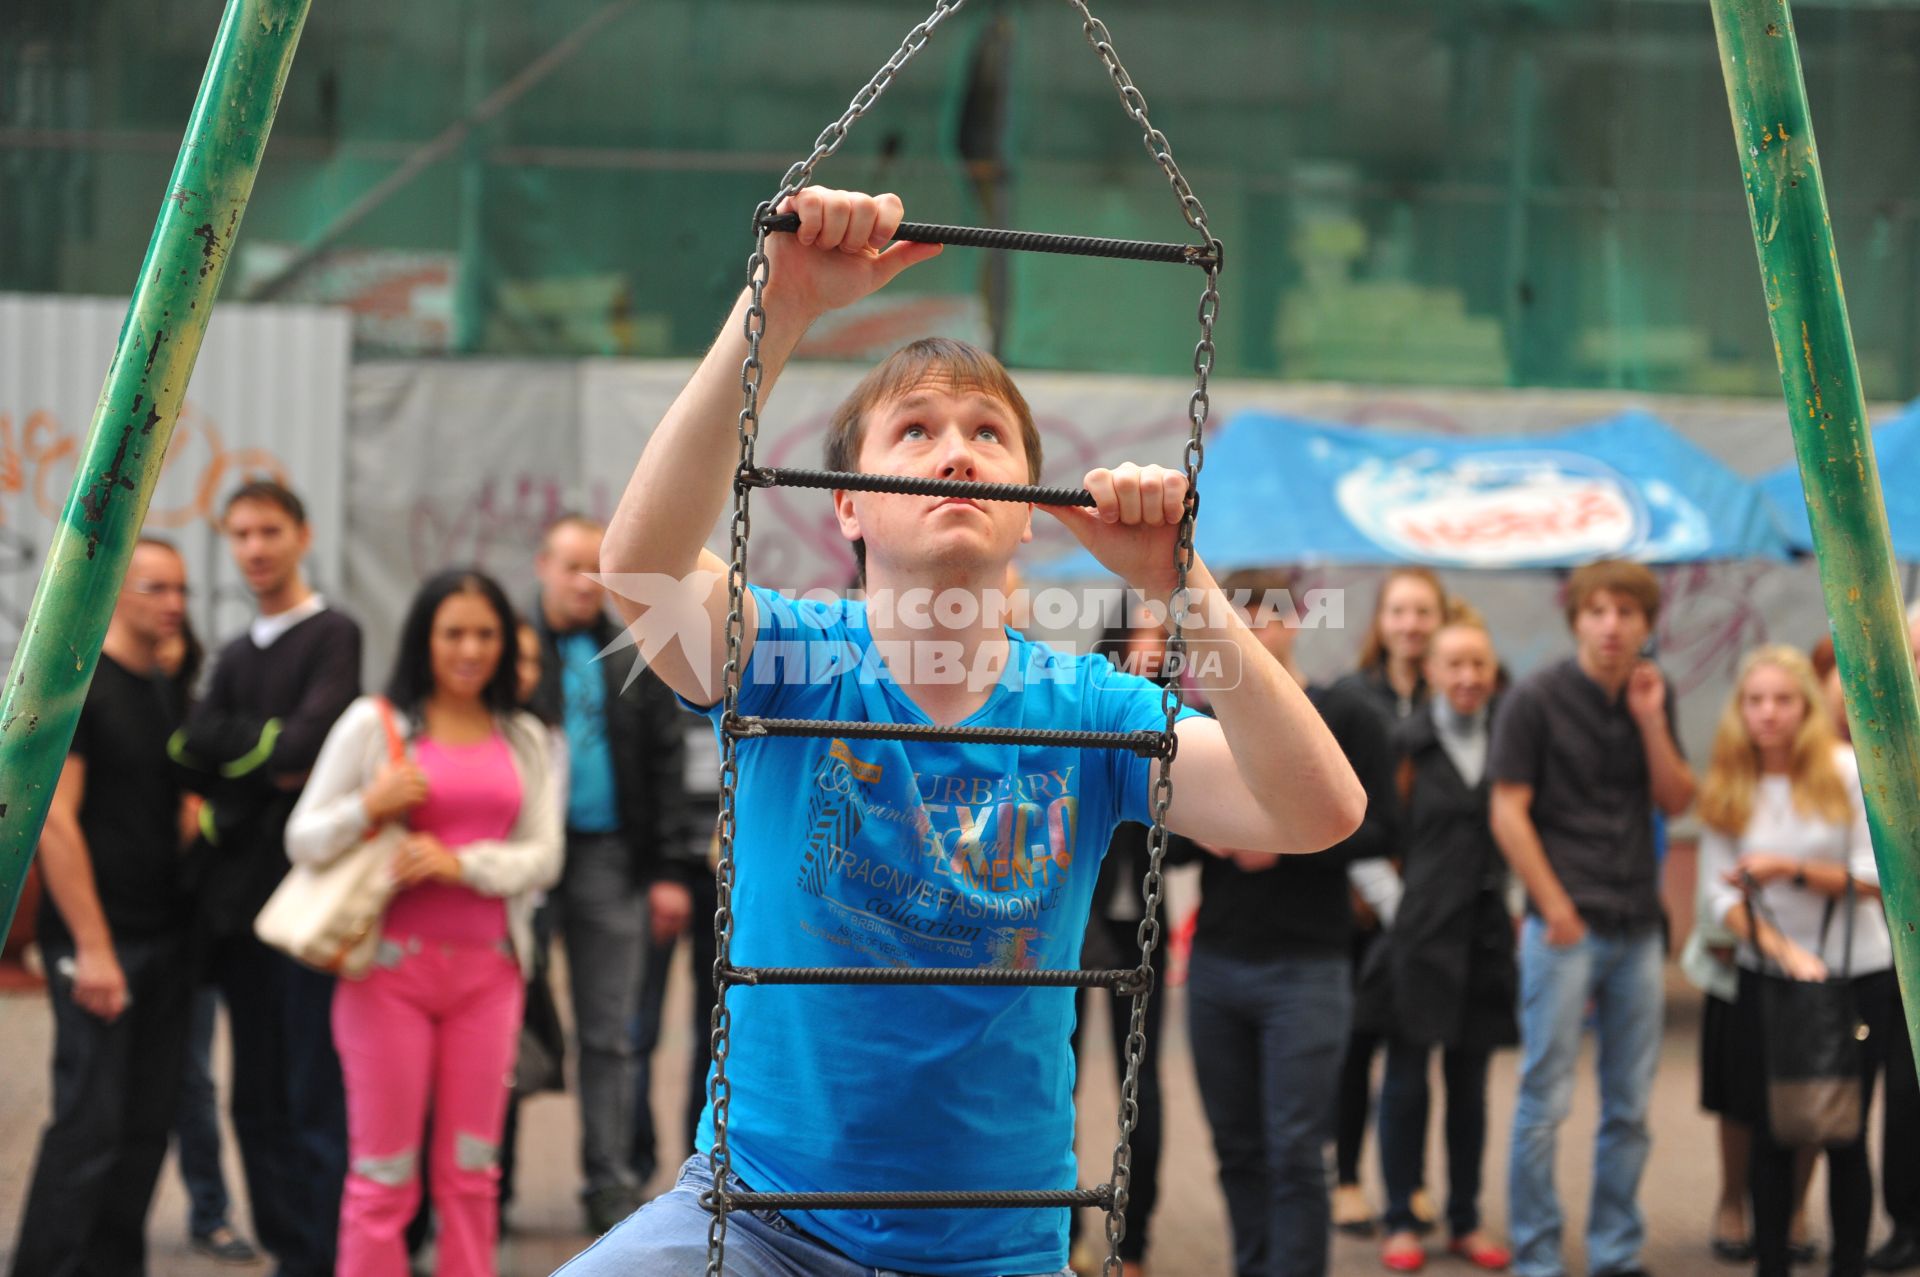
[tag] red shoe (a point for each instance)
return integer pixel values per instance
(1397, 1256)
(1481, 1254)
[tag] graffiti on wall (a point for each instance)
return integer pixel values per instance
(38, 457)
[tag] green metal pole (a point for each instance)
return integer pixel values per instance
(1523, 101)
(1807, 307)
(172, 300)
(469, 297)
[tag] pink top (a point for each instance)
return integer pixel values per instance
(473, 795)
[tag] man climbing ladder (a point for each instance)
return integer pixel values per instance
(861, 852)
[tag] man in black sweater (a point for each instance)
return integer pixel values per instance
(275, 694)
(1270, 993)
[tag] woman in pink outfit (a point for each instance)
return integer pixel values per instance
(433, 1026)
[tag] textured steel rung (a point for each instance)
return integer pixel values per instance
(907, 1199)
(1127, 982)
(909, 485)
(1145, 744)
(1206, 256)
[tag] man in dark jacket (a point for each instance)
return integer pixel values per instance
(626, 811)
(275, 693)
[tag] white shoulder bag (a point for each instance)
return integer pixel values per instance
(328, 916)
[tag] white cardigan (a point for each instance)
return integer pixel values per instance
(329, 817)
(1776, 827)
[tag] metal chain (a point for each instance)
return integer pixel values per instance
(834, 134)
(720, 1026)
(1148, 935)
(1198, 405)
(1135, 105)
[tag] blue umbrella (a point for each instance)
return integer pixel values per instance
(1283, 490)
(1896, 451)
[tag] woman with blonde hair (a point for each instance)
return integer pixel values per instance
(1785, 845)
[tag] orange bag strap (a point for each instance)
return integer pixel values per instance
(396, 743)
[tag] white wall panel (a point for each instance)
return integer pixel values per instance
(268, 396)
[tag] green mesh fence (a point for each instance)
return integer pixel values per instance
(1423, 191)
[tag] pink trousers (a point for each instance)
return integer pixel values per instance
(432, 1028)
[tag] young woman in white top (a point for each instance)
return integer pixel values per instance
(433, 1025)
(1783, 817)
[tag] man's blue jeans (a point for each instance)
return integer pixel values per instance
(1620, 975)
(1268, 1039)
(196, 1127)
(668, 1238)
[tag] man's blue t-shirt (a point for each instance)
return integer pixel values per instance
(888, 853)
(593, 805)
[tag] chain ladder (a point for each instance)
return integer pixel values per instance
(720, 1024)
(1198, 405)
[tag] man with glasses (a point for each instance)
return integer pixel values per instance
(113, 934)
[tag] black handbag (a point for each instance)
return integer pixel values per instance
(541, 1058)
(1814, 1039)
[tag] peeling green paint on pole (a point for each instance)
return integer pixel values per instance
(1800, 274)
(133, 421)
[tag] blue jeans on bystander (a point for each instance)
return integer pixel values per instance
(1619, 973)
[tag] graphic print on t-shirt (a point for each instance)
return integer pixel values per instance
(992, 854)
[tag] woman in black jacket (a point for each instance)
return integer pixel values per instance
(1448, 958)
(1409, 607)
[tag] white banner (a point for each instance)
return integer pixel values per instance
(455, 465)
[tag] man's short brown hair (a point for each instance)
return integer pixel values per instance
(955, 365)
(1634, 582)
(269, 492)
(571, 519)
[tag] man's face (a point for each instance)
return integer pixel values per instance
(267, 545)
(1609, 630)
(934, 431)
(572, 551)
(153, 602)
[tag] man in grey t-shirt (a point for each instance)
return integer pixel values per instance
(1582, 752)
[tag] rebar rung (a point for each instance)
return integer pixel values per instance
(909, 1199)
(1127, 982)
(911, 485)
(1145, 744)
(1206, 256)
